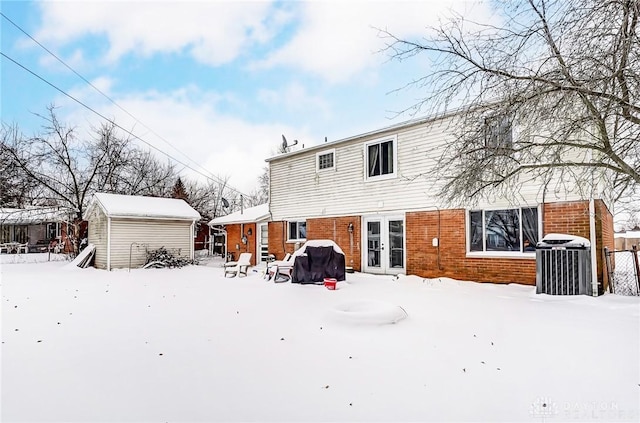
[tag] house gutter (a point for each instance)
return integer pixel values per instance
(594, 256)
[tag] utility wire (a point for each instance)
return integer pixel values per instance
(116, 125)
(212, 176)
(104, 94)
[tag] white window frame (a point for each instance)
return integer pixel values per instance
(499, 254)
(297, 222)
(58, 229)
(324, 153)
(392, 175)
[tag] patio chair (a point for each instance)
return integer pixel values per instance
(280, 270)
(240, 267)
(23, 248)
(5, 248)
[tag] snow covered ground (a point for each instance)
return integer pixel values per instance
(171, 345)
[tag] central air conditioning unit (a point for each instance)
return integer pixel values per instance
(563, 265)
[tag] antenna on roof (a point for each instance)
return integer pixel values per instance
(225, 203)
(286, 145)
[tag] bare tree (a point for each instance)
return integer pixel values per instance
(566, 73)
(208, 198)
(16, 189)
(261, 194)
(146, 175)
(68, 169)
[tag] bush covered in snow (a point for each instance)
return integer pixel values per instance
(164, 258)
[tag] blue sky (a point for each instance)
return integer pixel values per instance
(216, 83)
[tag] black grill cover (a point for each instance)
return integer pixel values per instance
(318, 263)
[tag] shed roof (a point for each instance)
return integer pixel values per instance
(249, 215)
(136, 206)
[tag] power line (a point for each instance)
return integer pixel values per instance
(117, 125)
(106, 96)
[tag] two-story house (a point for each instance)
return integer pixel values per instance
(376, 195)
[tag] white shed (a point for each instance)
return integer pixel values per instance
(124, 227)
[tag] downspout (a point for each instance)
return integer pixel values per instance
(594, 255)
(192, 247)
(592, 235)
(108, 243)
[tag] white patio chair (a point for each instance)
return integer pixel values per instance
(240, 267)
(5, 248)
(282, 267)
(23, 248)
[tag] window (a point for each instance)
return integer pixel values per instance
(20, 234)
(508, 230)
(53, 230)
(5, 234)
(325, 160)
(381, 158)
(297, 230)
(498, 132)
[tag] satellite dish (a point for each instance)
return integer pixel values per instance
(225, 203)
(286, 145)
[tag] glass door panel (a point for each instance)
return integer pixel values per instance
(396, 244)
(373, 244)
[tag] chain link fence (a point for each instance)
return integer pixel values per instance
(623, 268)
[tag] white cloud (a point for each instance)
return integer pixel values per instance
(339, 40)
(198, 134)
(293, 97)
(332, 40)
(214, 32)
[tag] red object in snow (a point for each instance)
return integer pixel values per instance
(330, 283)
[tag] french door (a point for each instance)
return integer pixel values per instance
(384, 242)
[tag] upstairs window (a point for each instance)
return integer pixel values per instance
(325, 160)
(498, 132)
(298, 230)
(507, 230)
(381, 158)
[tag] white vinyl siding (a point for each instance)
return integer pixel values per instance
(138, 236)
(299, 192)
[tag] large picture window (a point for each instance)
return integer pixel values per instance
(298, 230)
(381, 158)
(507, 230)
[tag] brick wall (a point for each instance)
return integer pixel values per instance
(234, 240)
(337, 230)
(566, 218)
(605, 238)
(449, 258)
(277, 240)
